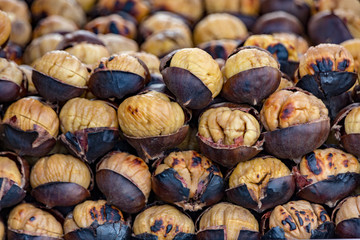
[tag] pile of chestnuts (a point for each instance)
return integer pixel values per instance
(179, 119)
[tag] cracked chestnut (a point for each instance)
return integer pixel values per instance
(13, 84)
(96, 220)
(228, 222)
(260, 183)
(163, 222)
(5, 28)
(132, 176)
(60, 180)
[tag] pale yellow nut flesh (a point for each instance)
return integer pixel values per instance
(350, 208)
(9, 170)
(352, 121)
(10, 71)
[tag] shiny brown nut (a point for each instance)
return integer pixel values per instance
(139, 9)
(161, 21)
(112, 24)
(189, 180)
(5, 28)
(12, 82)
(299, 42)
(251, 75)
(165, 222)
(219, 48)
(116, 43)
(68, 9)
(41, 45)
(247, 7)
(60, 173)
(219, 26)
(190, 9)
(54, 24)
(353, 47)
(298, 220)
(88, 53)
(86, 5)
(228, 221)
(128, 171)
(93, 219)
(260, 183)
(346, 218)
(25, 220)
(27, 71)
(17, 8)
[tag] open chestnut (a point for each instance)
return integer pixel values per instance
(132, 176)
(116, 43)
(188, 180)
(53, 24)
(5, 28)
(219, 48)
(13, 84)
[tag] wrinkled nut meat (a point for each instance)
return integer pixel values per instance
(227, 126)
(12, 81)
(183, 178)
(151, 61)
(5, 28)
(26, 219)
(164, 221)
(352, 121)
(151, 114)
(347, 218)
(9, 170)
(285, 83)
(9, 71)
(116, 43)
(235, 6)
(53, 24)
(88, 53)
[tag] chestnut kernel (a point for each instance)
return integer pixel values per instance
(54, 24)
(12, 82)
(246, 7)
(5, 28)
(116, 43)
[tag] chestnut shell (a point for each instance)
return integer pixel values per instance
(71, 39)
(20, 236)
(179, 236)
(10, 91)
(219, 233)
(349, 228)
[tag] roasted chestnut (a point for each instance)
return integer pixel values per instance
(12, 52)
(193, 76)
(131, 174)
(188, 180)
(229, 133)
(152, 62)
(29, 127)
(300, 43)
(163, 222)
(218, 26)
(296, 122)
(152, 123)
(14, 179)
(116, 43)
(95, 220)
(251, 75)
(346, 218)
(19, 9)
(29, 222)
(89, 54)
(60, 180)
(323, 5)
(323, 169)
(13, 84)
(246, 7)
(119, 76)
(54, 24)
(285, 82)
(139, 9)
(59, 76)
(228, 222)
(353, 46)
(297, 220)
(5, 28)
(27, 71)
(219, 48)
(90, 128)
(20, 28)
(2, 230)
(79, 37)
(260, 183)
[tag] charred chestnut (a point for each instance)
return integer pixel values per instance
(60, 180)
(249, 80)
(193, 76)
(14, 179)
(59, 76)
(163, 222)
(219, 48)
(297, 220)
(300, 43)
(5, 28)
(189, 180)
(29, 127)
(29, 222)
(54, 24)
(129, 172)
(293, 112)
(346, 218)
(260, 183)
(13, 85)
(95, 220)
(119, 76)
(229, 134)
(219, 26)
(229, 222)
(90, 128)
(116, 43)
(152, 123)
(139, 9)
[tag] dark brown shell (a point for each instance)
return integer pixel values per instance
(10, 91)
(289, 67)
(12, 234)
(219, 233)
(349, 228)
(71, 39)
(179, 236)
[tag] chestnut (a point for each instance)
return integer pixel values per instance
(228, 222)
(297, 220)
(59, 76)
(193, 76)
(353, 46)
(323, 169)
(26, 221)
(13, 84)
(90, 128)
(77, 37)
(190, 141)
(323, 5)
(218, 26)
(54, 24)
(229, 133)
(116, 43)
(294, 112)
(20, 31)
(300, 43)
(14, 179)
(18, 9)
(346, 218)
(29, 127)
(2, 230)
(285, 82)
(118, 76)
(260, 183)
(152, 62)
(131, 174)
(60, 180)
(5, 28)
(246, 7)
(95, 220)
(163, 222)
(27, 71)
(139, 9)
(219, 48)
(88, 53)
(248, 80)
(151, 123)
(12, 52)
(188, 180)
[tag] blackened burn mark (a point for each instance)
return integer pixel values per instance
(111, 58)
(112, 214)
(113, 28)
(301, 222)
(129, 5)
(196, 161)
(158, 225)
(168, 228)
(32, 219)
(219, 52)
(289, 221)
(323, 215)
(343, 65)
(279, 50)
(308, 227)
(313, 164)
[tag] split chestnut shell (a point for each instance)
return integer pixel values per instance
(13, 83)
